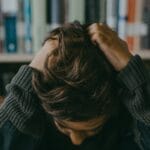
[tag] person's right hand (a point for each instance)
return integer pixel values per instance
(40, 58)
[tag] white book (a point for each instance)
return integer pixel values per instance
(122, 19)
(38, 23)
(76, 10)
(111, 13)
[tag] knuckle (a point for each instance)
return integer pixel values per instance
(95, 26)
(96, 36)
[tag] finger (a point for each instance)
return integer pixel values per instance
(94, 28)
(49, 37)
(108, 29)
(52, 42)
(100, 39)
(97, 31)
(99, 27)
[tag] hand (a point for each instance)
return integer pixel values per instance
(40, 58)
(115, 49)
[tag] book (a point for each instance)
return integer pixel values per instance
(0, 14)
(92, 9)
(131, 21)
(39, 24)
(21, 27)
(1, 41)
(48, 11)
(9, 10)
(111, 13)
(145, 39)
(10, 33)
(122, 18)
(102, 11)
(1, 36)
(76, 11)
(58, 12)
(27, 26)
(139, 27)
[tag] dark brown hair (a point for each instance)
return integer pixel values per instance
(78, 83)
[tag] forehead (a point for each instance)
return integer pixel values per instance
(84, 125)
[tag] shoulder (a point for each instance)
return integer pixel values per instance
(10, 136)
(24, 119)
(21, 105)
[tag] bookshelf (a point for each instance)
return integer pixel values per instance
(130, 18)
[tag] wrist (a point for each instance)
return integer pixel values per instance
(124, 62)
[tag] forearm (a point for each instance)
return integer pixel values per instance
(136, 82)
(19, 98)
(21, 105)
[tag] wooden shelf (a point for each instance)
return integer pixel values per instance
(26, 58)
(16, 58)
(145, 54)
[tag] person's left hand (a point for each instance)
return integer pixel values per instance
(40, 58)
(114, 48)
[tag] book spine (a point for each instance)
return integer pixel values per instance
(58, 13)
(28, 26)
(111, 13)
(0, 13)
(138, 25)
(38, 23)
(76, 10)
(145, 40)
(10, 33)
(1, 40)
(122, 18)
(48, 11)
(9, 10)
(1, 37)
(102, 11)
(92, 11)
(21, 27)
(131, 23)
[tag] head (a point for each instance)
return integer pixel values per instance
(77, 87)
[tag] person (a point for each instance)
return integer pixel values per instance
(83, 90)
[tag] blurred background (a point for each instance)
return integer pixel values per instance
(24, 24)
